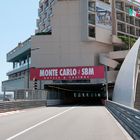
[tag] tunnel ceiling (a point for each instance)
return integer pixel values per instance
(76, 88)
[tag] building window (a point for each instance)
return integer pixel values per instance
(137, 22)
(120, 16)
(91, 31)
(50, 12)
(119, 5)
(91, 19)
(47, 4)
(137, 32)
(51, 2)
(41, 8)
(91, 6)
(130, 19)
(127, 7)
(121, 27)
(131, 30)
(106, 1)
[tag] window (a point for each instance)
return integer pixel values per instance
(137, 32)
(137, 22)
(91, 31)
(128, 29)
(131, 30)
(129, 19)
(50, 12)
(127, 7)
(119, 5)
(120, 16)
(121, 27)
(91, 19)
(41, 8)
(91, 6)
(106, 1)
(46, 3)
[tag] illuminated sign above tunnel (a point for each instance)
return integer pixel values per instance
(67, 73)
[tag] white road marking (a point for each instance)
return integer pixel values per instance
(38, 124)
(120, 127)
(10, 113)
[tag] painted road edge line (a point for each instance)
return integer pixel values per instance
(10, 113)
(38, 124)
(121, 127)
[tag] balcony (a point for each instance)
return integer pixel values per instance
(20, 51)
(120, 16)
(118, 55)
(130, 30)
(129, 19)
(117, 41)
(11, 85)
(40, 11)
(37, 22)
(18, 70)
(106, 60)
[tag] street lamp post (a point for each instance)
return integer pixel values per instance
(28, 67)
(4, 93)
(106, 82)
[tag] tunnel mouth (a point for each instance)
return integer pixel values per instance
(79, 94)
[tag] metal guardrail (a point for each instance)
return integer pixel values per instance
(17, 105)
(129, 118)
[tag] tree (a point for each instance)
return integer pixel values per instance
(129, 41)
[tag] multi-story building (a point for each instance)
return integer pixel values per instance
(72, 37)
(45, 13)
(125, 23)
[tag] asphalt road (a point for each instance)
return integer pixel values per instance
(61, 123)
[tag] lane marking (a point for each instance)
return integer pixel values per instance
(120, 127)
(38, 124)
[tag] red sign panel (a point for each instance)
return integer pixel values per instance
(67, 73)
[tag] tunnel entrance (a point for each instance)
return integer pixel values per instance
(84, 98)
(80, 94)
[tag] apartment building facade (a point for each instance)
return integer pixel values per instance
(73, 35)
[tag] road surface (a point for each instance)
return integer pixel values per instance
(61, 123)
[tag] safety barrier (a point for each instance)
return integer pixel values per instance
(17, 105)
(129, 118)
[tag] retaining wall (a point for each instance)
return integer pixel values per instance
(17, 105)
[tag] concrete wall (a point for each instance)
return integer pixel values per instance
(65, 46)
(103, 35)
(17, 105)
(54, 97)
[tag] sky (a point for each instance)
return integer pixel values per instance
(17, 23)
